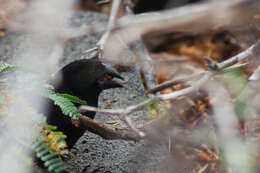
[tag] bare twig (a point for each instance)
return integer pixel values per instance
(147, 66)
(125, 111)
(91, 49)
(146, 63)
(207, 75)
(115, 6)
(220, 66)
(203, 17)
(171, 83)
(103, 1)
(106, 131)
(142, 54)
(183, 17)
(133, 133)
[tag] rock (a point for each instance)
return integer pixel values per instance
(94, 154)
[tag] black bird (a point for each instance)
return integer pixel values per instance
(85, 79)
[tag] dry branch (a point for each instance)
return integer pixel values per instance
(221, 66)
(199, 18)
(128, 133)
(111, 22)
(106, 131)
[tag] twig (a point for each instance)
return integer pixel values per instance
(188, 90)
(171, 83)
(146, 63)
(203, 17)
(91, 49)
(130, 124)
(142, 54)
(105, 131)
(133, 133)
(220, 66)
(103, 1)
(125, 111)
(207, 75)
(115, 6)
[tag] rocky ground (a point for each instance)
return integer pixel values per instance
(92, 153)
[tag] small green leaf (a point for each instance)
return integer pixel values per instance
(49, 156)
(55, 166)
(66, 106)
(60, 169)
(72, 98)
(113, 122)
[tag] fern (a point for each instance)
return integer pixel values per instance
(7, 67)
(72, 98)
(65, 103)
(50, 159)
(50, 146)
(4, 67)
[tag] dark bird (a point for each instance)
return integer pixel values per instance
(85, 79)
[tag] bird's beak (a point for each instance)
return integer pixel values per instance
(111, 77)
(112, 72)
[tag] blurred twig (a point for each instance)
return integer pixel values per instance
(171, 83)
(126, 111)
(106, 131)
(112, 19)
(197, 18)
(195, 86)
(142, 53)
(111, 22)
(201, 16)
(214, 69)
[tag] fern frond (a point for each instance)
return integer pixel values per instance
(65, 104)
(49, 147)
(55, 140)
(50, 159)
(72, 98)
(4, 67)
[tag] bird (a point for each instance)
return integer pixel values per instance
(85, 79)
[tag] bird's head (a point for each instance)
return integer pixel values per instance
(88, 74)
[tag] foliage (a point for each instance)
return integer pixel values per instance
(64, 101)
(50, 145)
(72, 98)
(5, 67)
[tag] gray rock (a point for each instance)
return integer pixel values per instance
(92, 152)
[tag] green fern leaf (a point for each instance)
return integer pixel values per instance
(66, 106)
(49, 146)
(72, 98)
(4, 67)
(51, 160)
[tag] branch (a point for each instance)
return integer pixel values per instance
(111, 22)
(202, 16)
(171, 83)
(219, 67)
(126, 111)
(105, 131)
(207, 75)
(115, 6)
(108, 132)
